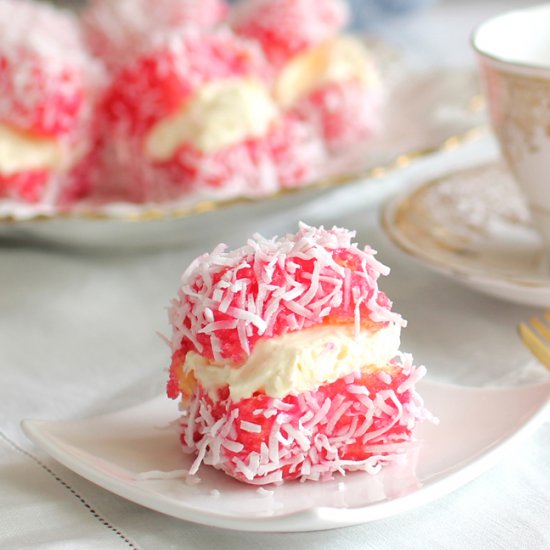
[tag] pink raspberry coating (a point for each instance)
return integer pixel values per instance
(26, 186)
(156, 84)
(39, 101)
(48, 89)
(284, 28)
(63, 188)
(343, 113)
(44, 71)
(253, 168)
(358, 423)
(286, 156)
(117, 31)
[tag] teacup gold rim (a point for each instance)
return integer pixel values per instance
(502, 61)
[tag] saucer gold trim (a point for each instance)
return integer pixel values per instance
(452, 225)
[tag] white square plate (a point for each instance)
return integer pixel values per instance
(477, 427)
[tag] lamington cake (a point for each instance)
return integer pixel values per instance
(285, 356)
(194, 115)
(324, 77)
(48, 89)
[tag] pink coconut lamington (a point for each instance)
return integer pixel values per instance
(116, 31)
(48, 87)
(285, 28)
(194, 115)
(285, 355)
(326, 79)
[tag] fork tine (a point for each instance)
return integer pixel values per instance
(541, 328)
(535, 345)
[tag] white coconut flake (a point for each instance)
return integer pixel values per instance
(297, 436)
(274, 477)
(281, 405)
(250, 427)
(244, 469)
(381, 401)
(365, 426)
(243, 339)
(202, 447)
(284, 441)
(320, 415)
(273, 443)
(356, 389)
(410, 382)
(233, 446)
(335, 416)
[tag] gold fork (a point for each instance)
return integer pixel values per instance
(536, 337)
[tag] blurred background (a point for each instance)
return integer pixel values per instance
(366, 13)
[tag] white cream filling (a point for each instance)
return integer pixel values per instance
(219, 115)
(299, 361)
(20, 152)
(343, 58)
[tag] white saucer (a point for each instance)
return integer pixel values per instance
(473, 226)
(478, 427)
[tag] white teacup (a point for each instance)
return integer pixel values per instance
(513, 50)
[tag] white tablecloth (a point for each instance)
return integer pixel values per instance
(78, 338)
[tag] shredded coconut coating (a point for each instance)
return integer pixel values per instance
(286, 27)
(230, 299)
(63, 188)
(289, 155)
(358, 423)
(28, 187)
(116, 31)
(156, 84)
(343, 113)
(44, 69)
(48, 89)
